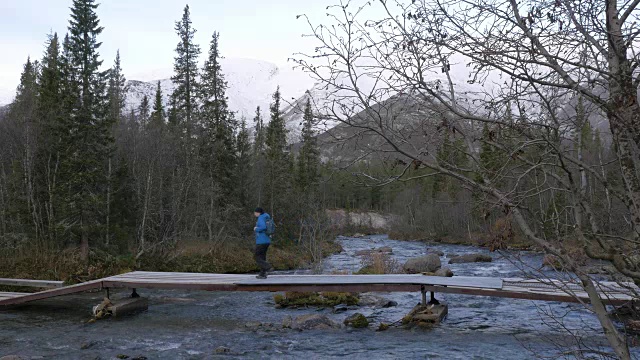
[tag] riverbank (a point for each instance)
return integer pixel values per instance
(221, 257)
(195, 324)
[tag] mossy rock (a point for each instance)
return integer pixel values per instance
(323, 299)
(357, 321)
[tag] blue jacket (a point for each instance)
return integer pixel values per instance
(261, 230)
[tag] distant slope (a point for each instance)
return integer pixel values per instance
(251, 84)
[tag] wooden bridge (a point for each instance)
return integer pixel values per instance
(545, 290)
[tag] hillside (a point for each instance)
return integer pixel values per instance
(251, 84)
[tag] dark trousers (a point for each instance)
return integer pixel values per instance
(260, 255)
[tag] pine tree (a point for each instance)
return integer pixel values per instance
(88, 137)
(117, 90)
(186, 74)
(157, 116)
(309, 158)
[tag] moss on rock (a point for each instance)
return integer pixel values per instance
(357, 321)
(328, 299)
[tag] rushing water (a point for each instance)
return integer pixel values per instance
(191, 325)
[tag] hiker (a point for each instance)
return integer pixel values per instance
(263, 230)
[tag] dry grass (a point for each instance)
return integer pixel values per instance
(190, 256)
(379, 263)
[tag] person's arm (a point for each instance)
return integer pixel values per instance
(261, 225)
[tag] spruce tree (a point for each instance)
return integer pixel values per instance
(309, 157)
(157, 116)
(88, 137)
(50, 113)
(243, 146)
(258, 158)
(259, 134)
(278, 162)
(185, 75)
(117, 90)
(22, 180)
(143, 111)
(49, 87)
(219, 124)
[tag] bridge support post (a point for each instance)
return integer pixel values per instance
(108, 295)
(433, 300)
(424, 295)
(134, 294)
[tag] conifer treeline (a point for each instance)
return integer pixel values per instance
(78, 169)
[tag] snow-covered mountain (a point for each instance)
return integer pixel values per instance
(251, 84)
(6, 96)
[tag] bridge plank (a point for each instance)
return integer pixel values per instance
(555, 290)
(96, 284)
(32, 283)
(456, 281)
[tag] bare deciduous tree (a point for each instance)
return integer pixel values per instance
(515, 82)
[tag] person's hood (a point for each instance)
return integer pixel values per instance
(265, 215)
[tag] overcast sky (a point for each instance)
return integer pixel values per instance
(144, 32)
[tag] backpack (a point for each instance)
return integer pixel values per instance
(271, 227)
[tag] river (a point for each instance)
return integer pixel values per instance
(191, 325)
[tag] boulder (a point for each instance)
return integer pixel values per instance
(444, 272)
(470, 258)
(372, 300)
(222, 350)
(435, 251)
(389, 304)
(428, 263)
(357, 321)
(311, 322)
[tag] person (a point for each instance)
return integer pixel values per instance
(262, 242)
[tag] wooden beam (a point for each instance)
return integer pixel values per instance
(32, 283)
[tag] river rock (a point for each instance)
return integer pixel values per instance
(429, 263)
(310, 322)
(371, 300)
(389, 304)
(435, 251)
(470, 258)
(222, 350)
(444, 272)
(382, 250)
(340, 308)
(253, 325)
(357, 321)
